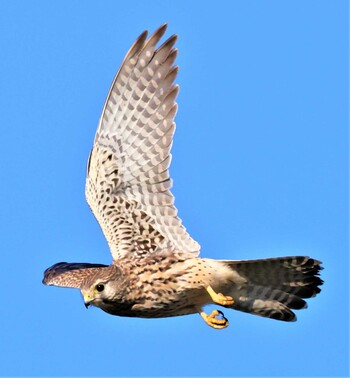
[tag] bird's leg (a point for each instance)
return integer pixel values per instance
(212, 320)
(219, 298)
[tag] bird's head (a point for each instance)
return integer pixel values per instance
(99, 293)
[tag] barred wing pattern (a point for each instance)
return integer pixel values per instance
(128, 183)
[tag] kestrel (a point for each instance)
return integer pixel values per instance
(156, 271)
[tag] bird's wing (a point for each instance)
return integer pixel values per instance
(128, 183)
(70, 274)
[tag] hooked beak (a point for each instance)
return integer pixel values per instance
(87, 300)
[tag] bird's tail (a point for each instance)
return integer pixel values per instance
(273, 287)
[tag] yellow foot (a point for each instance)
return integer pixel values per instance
(219, 298)
(213, 321)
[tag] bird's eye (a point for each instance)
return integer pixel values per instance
(99, 287)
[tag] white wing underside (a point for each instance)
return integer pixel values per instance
(128, 183)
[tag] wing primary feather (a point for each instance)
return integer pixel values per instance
(135, 49)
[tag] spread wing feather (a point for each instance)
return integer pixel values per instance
(128, 183)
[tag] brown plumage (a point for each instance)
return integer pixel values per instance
(156, 271)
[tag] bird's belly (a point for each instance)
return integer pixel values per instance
(161, 305)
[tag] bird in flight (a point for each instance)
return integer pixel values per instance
(156, 269)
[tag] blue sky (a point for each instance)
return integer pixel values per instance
(259, 165)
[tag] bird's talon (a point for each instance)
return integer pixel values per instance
(224, 300)
(213, 321)
(219, 298)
